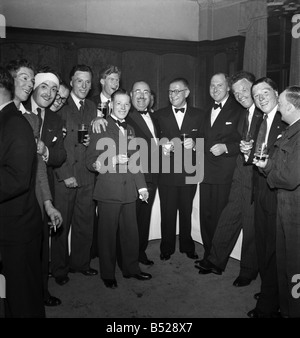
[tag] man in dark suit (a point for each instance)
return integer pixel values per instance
(179, 120)
(140, 119)
(20, 215)
(116, 191)
(74, 184)
(23, 73)
(51, 148)
(221, 147)
(239, 212)
(109, 80)
(265, 95)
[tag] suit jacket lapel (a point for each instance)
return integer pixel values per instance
(139, 120)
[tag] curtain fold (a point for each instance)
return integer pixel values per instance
(254, 24)
(295, 63)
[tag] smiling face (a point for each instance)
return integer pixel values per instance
(265, 97)
(24, 81)
(140, 96)
(218, 88)
(81, 84)
(61, 98)
(178, 93)
(45, 93)
(242, 92)
(120, 106)
(110, 84)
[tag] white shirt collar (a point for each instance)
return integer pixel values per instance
(76, 100)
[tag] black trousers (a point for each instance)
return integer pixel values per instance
(143, 213)
(23, 273)
(213, 199)
(173, 199)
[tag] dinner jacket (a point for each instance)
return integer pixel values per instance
(135, 119)
(219, 169)
(168, 128)
(20, 216)
(115, 183)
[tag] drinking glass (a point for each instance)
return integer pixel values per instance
(82, 132)
(261, 152)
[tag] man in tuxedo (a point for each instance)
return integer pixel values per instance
(140, 119)
(221, 147)
(23, 74)
(74, 184)
(176, 121)
(265, 95)
(117, 188)
(20, 215)
(239, 212)
(109, 78)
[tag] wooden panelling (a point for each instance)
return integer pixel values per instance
(156, 61)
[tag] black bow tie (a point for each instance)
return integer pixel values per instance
(180, 109)
(217, 105)
(144, 112)
(122, 124)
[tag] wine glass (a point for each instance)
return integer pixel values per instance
(183, 137)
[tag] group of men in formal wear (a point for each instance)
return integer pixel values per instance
(102, 188)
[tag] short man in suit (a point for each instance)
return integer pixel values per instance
(265, 95)
(74, 184)
(20, 215)
(140, 119)
(109, 78)
(116, 191)
(23, 74)
(221, 147)
(174, 191)
(239, 212)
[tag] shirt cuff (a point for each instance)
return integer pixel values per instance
(142, 190)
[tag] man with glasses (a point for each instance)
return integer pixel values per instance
(140, 119)
(174, 192)
(61, 97)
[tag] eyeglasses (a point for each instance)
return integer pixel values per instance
(58, 98)
(139, 92)
(176, 91)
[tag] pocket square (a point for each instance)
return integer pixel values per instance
(194, 129)
(227, 123)
(54, 139)
(280, 135)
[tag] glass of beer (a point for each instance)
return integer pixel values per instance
(82, 132)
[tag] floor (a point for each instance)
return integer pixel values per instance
(175, 291)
